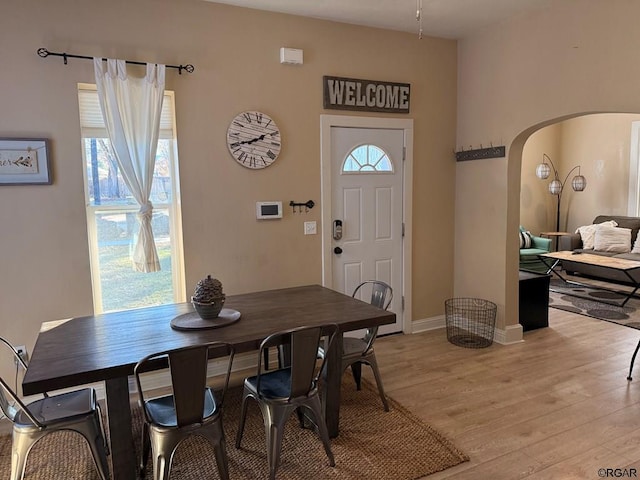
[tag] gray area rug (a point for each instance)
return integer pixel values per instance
(587, 300)
(372, 444)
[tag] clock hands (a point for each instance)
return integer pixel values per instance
(253, 140)
(257, 139)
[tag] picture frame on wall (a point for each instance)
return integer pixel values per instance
(24, 161)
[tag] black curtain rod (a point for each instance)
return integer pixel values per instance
(43, 52)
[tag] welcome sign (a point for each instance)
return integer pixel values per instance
(341, 93)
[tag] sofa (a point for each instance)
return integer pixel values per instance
(529, 259)
(575, 242)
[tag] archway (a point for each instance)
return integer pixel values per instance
(600, 143)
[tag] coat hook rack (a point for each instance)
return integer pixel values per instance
(307, 205)
(480, 153)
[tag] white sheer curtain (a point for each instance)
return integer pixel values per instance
(131, 109)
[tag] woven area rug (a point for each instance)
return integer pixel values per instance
(587, 300)
(372, 444)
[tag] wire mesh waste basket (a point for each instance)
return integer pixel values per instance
(470, 322)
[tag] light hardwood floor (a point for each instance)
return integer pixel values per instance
(555, 406)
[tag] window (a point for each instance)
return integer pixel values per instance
(112, 215)
(367, 159)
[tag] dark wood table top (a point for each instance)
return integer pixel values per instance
(101, 347)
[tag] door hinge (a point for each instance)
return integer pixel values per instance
(404, 153)
(403, 303)
(403, 229)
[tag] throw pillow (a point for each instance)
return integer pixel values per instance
(613, 239)
(588, 233)
(525, 239)
(636, 246)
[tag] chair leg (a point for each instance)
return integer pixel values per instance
(106, 441)
(633, 360)
(90, 430)
(146, 446)
(356, 370)
(243, 417)
(20, 447)
(376, 373)
(315, 407)
(274, 420)
(162, 450)
(215, 434)
(300, 414)
(99, 452)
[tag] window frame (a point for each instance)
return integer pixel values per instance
(361, 170)
(173, 207)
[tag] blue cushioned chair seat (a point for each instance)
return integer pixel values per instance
(163, 411)
(276, 384)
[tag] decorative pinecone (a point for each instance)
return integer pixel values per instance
(208, 290)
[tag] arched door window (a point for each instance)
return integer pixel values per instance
(367, 159)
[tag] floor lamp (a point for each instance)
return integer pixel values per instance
(578, 183)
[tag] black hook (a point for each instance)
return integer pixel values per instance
(307, 205)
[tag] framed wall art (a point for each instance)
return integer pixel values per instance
(24, 161)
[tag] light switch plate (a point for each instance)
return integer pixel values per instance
(310, 228)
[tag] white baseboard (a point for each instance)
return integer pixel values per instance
(511, 334)
(426, 324)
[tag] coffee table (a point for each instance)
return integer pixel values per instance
(630, 268)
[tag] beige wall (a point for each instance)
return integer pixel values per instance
(578, 56)
(45, 259)
(600, 144)
(537, 205)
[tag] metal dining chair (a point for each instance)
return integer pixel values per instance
(78, 411)
(191, 408)
(359, 351)
(289, 388)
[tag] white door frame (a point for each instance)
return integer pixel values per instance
(328, 121)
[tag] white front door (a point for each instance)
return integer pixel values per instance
(367, 205)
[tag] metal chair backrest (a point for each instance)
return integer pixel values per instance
(188, 369)
(381, 297)
(381, 293)
(303, 343)
(8, 398)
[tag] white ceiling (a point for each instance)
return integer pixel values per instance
(441, 18)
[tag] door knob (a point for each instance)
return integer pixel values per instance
(337, 250)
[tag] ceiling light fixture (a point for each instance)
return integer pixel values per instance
(419, 17)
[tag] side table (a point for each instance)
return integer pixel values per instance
(554, 236)
(534, 300)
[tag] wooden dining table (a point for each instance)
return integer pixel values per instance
(106, 347)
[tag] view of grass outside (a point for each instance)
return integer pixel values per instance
(122, 287)
(112, 212)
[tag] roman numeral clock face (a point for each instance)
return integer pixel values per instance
(254, 139)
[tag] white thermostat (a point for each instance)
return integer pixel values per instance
(268, 210)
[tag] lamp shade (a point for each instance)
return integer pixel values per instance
(543, 170)
(579, 183)
(555, 187)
